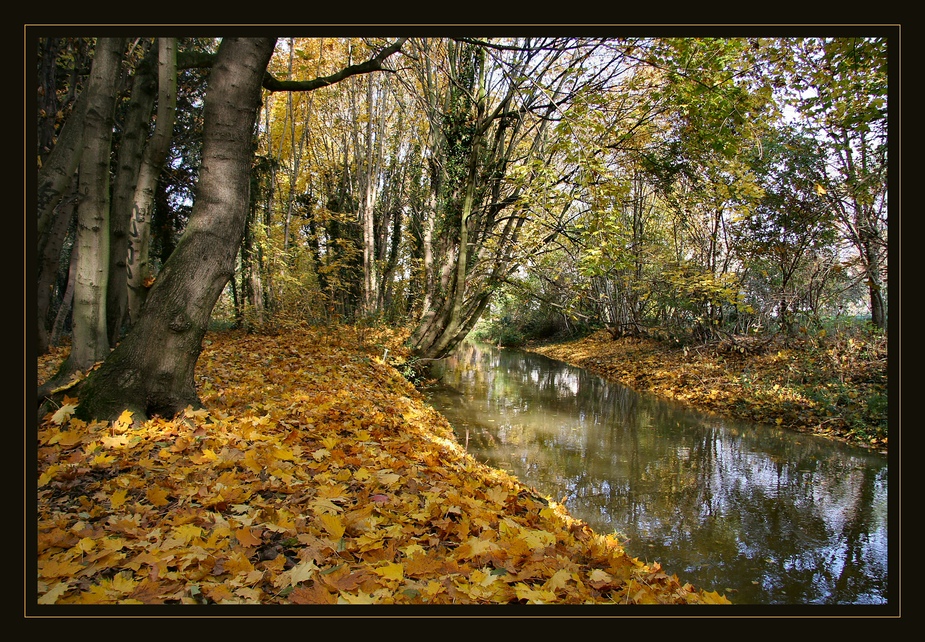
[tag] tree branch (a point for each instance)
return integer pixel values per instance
(373, 64)
(190, 60)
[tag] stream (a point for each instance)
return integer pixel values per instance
(760, 514)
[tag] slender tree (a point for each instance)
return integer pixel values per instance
(134, 128)
(138, 272)
(842, 85)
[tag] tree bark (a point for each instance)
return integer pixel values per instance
(151, 371)
(57, 172)
(90, 341)
(50, 247)
(138, 268)
(131, 150)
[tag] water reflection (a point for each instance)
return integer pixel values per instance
(763, 515)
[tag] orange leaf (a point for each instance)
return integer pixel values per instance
(246, 537)
(316, 594)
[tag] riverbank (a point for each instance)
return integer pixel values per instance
(835, 387)
(316, 474)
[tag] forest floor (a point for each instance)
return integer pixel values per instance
(314, 475)
(834, 386)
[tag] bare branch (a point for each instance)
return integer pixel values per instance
(373, 64)
(190, 60)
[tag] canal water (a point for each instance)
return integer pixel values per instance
(760, 514)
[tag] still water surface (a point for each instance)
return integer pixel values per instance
(763, 515)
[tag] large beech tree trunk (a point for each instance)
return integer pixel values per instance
(151, 371)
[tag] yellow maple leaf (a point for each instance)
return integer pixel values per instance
(207, 455)
(238, 564)
(96, 594)
(538, 538)
(124, 582)
(298, 573)
(334, 492)
(66, 438)
(189, 532)
(533, 596)
(85, 545)
(51, 596)
(360, 598)
(157, 496)
(645, 596)
(252, 461)
(333, 524)
(497, 494)
(118, 498)
(433, 588)
(475, 546)
(284, 454)
(124, 420)
(599, 576)
(712, 597)
(412, 549)
(112, 543)
(482, 578)
(53, 568)
(103, 460)
(250, 595)
(325, 505)
(390, 571)
(118, 441)
(202, 413)
(49, 474)
(559, 580)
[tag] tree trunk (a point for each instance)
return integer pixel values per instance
(131, 151)
(872, 267)
(57, 172)
(90, 342)
(151, 371)
(50, 247)
(138, 268)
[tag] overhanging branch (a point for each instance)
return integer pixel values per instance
(192, 60)
(373, 64)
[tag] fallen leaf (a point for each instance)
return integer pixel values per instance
(246, 537)
(64, 413)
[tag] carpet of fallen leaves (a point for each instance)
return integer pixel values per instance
(800, 386)
(315, 474)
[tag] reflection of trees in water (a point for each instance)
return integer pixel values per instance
(782, 517)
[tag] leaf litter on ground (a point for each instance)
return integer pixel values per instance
(314, 474)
